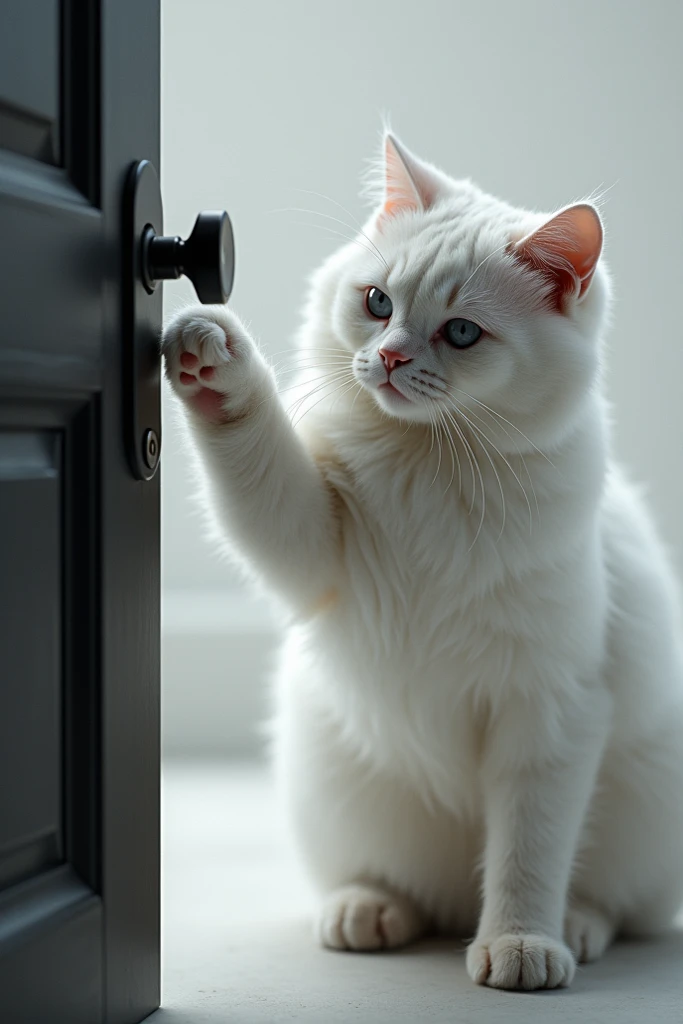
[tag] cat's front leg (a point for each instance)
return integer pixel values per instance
(535, 806)
(262, 486)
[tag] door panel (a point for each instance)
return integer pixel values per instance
(79, 537)
(29, 88)
(54, 923)
(58, 268)
(30, 698)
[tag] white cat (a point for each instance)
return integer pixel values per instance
(479, 722)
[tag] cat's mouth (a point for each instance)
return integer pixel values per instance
(387, 387)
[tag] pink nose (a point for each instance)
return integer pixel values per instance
(393, 359)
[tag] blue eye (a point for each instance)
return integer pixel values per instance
(461, 333)
(378, 304)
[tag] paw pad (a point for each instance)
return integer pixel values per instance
(200, 372)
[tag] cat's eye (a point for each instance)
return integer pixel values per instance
(461, 333)
(378, 304)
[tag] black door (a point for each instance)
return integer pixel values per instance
(79, 534)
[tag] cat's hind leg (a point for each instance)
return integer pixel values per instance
(629, 875)
(388, 866)
(369, 916)
(588, 932)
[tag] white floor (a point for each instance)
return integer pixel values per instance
(238, 945)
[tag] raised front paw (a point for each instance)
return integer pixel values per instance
(520, 962)
(212, 363)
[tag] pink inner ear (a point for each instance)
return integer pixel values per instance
(567, 249)
(399, 189)
(409, 183)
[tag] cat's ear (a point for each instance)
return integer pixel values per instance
(566, 249)
(409, 183)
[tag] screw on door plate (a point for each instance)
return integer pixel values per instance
(150, 448)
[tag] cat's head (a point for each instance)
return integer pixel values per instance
(454, 301)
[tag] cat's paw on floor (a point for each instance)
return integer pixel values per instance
(515, 961)
(364, 918)
(587, 932)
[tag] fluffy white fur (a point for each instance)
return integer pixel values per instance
(479, 723)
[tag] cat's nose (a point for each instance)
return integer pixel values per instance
(393, 359)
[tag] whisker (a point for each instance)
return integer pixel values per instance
(355, 399)
(339, 394)
(348, 238)
(511, 468)
(454, 456)
(430, 396)
(431, 431)
(500, 417)
(303, 383)
(321, 195)
(472, 461)
(304, 361)
(307, 364)
(276, 394)
(333, 375)
(481, 482)
(312, 354)
(312, 365)
(297, 404)
(438, 467)
(308, 350)
(343, 384)
(481, 437)
(337, 220)
(333, 378)
(330, 379)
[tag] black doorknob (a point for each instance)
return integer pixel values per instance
(207, 257)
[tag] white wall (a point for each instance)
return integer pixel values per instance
(539, 101)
